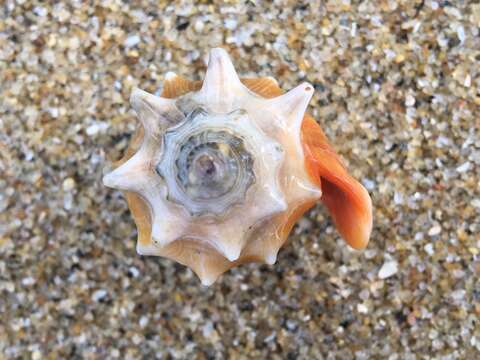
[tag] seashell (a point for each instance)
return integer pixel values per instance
(220, 170)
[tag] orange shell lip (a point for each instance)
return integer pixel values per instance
(346, 199)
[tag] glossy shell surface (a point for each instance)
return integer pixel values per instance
(220, 170)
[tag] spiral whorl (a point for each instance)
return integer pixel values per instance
(206, 164)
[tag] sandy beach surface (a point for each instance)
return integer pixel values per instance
(397, 91)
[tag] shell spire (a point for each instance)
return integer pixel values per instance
(219, 171)
(221, 85)
(292, 105)
(130, 176)
(154, 112)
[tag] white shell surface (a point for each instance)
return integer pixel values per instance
(281, 181)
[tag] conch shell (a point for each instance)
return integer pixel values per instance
(220, 170)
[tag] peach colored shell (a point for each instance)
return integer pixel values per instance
(346, 199)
